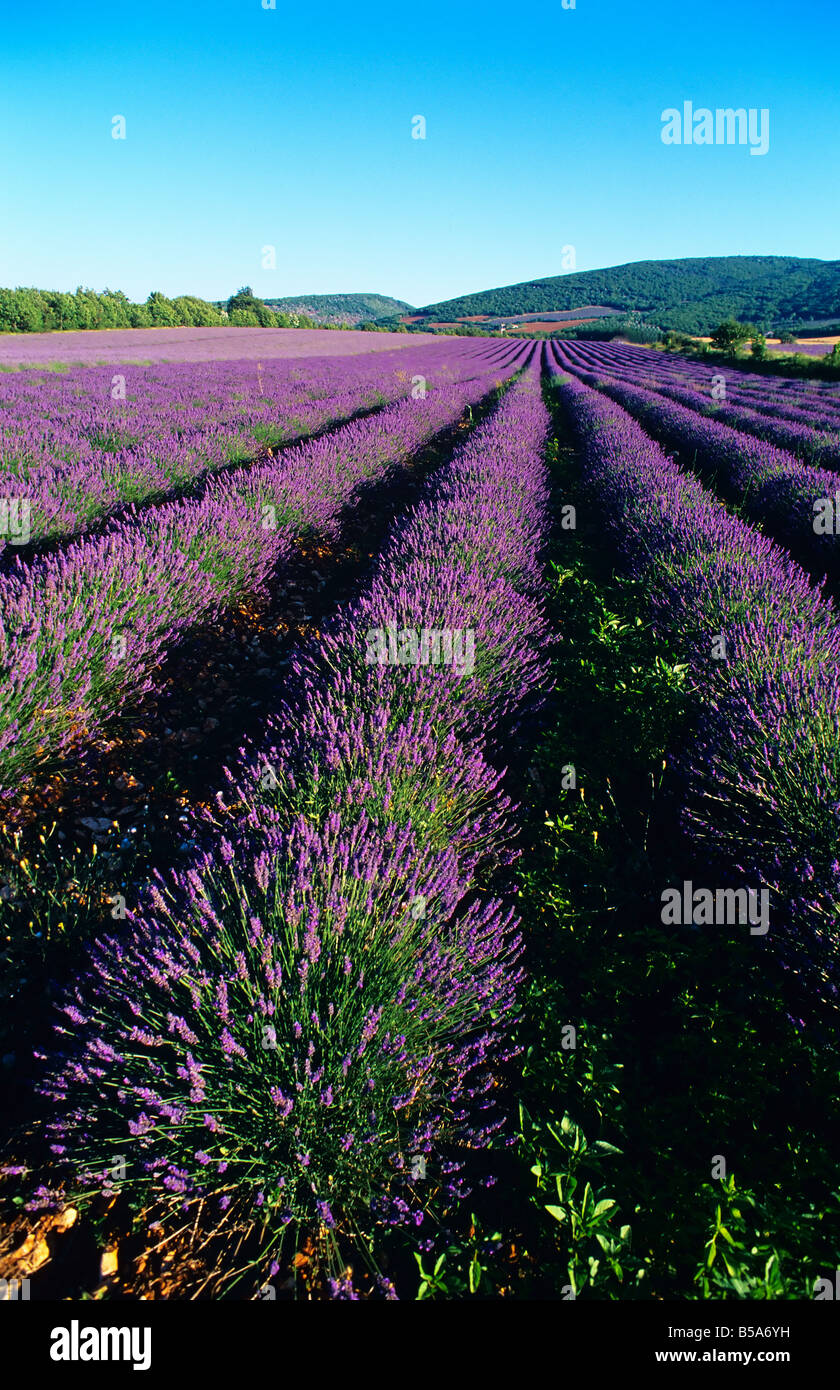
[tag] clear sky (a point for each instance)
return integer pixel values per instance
(248, 127)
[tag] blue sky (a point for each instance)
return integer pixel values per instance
(291, 127)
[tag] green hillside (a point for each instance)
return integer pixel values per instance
(692, 295)
(342, 308)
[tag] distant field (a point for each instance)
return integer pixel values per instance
(812, 347)
(540, 322)
(548, 325)
(192, 344)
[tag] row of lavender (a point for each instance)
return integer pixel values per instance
(304, 1028)
(83, 631)
(815, 438)
(814, 406)
(79, 447)
(761, 779)
(795, 501)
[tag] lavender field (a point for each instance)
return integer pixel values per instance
(94, 347)
(420, 782)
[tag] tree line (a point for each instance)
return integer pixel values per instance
(44, 311)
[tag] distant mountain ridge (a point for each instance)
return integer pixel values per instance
(342, 308)
(692, 295)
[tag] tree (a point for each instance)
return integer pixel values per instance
(243, 318)
(731, 334)
(758, 347)
(243, 299)
(139, 316)
(28, 311)
(194, 312)
(59, 310)
(88, 308)
(676, 342)
(162, 311)
(115, 309)
(246, 302)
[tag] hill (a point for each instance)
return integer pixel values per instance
(342, 308)
(691, 295)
